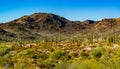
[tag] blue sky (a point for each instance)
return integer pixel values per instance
(70, 9)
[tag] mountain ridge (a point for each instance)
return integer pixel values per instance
(32, 26)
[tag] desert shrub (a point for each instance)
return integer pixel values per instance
(10, 54)
(26, 53)
(40, 55)
(4, 49)
(57, 54)
(96, 52)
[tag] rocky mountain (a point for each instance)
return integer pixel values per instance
(40, 25)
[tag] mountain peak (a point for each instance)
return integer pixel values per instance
(40, 17)
(88, 22)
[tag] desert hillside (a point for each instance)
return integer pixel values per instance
(40, 25)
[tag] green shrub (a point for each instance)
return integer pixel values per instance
(96, 52)
(26, 53)
(40, 55)
(10, 54)
(57, 54)
(4, 49)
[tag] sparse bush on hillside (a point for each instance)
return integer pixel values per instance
(57, 54)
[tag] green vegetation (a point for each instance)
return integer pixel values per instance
(77, 52)
(96, 53)
(57, 54)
